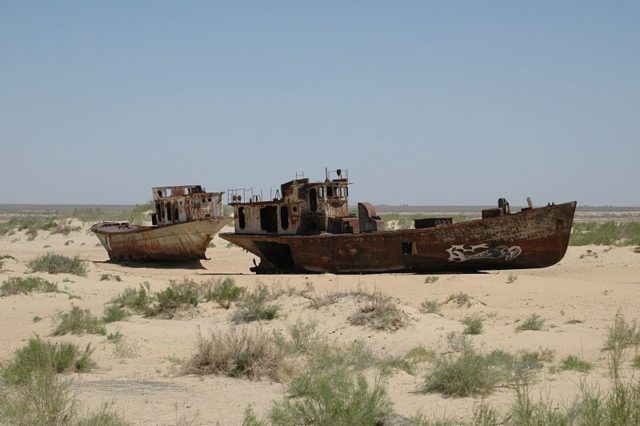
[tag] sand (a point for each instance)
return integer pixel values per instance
(144, 381)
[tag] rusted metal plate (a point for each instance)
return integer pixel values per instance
(533, 238)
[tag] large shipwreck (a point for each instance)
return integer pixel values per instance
(307, 227)
(185, 220)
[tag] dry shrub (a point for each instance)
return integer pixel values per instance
(380, 312)
(241, 352)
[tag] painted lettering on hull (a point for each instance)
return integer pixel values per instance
(463, 252)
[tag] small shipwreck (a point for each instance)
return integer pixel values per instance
(307, 227)
(185, 220)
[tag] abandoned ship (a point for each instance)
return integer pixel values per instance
(185, 220)
(307, 227)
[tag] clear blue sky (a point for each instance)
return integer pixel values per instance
(424, 102)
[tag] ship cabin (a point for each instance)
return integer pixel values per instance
(302, 207)
(176, 204)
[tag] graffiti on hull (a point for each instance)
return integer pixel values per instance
(463, 252)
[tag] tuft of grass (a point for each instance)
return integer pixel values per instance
(78, 321)
(39, 356)
(18, 285)
(125, 349)
(241, 352)
(620, 336)
(429, 306)
(464, 373)
(58, 264)
(2, 259)
(115, 337)
(178, 295)
(473, 325)
(572, 362)
(460, 299)
(380, 312)
(255, 306)
(589, 253)
(635, 362)
(431, 279)
(36, 318)
(225, 292)
(574, 321)
(533, 322)
(110, 277)
(512, 278)
(113, 313)
(337, 397)
(137, 301)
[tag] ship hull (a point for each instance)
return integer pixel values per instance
(175, 242)
(534, 238)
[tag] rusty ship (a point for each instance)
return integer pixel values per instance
(185, 220)
(308, 228)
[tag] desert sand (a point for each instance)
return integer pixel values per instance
(146, 385)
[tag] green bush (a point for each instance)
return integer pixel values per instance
(114, 313)
(430, 307)
(473, 324)
(224, 292)
(337, 397)
(78, 321)
(177, 295)
(137, 301)
(57, 264)
(572, 362)
(255, 306)
(533, 322)
(32, 224)
(39, 356)
(17, 285)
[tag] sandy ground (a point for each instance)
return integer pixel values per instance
(147, 387)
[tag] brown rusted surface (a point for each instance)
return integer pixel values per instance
(186, 219)
(532, 238)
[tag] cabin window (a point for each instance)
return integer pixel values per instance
(409, 248)
(329, 191)
(284, 217)
(176, 213)
(169, 212)
(242, 222)
(269, 218)
(321, 192)
(313, 199)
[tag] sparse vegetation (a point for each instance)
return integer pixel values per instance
(39, 356)
(26, 285)
(464, 371)
(137, 301)
(225, 292)
(30, 224)
(512, 278)
(255, 306)
(473, 325)
(574, 321)
(337, 397)
(36, 318)
(2, 259)
(380, 312)
(572, 362)
(429, 306)
(533, 322)
(635, 362)
(461, 299)
(177, 295)
(58, 264)
(110, 277)
(113, 313)
(607, 233)
(125, 349)
(431, 279)
(241, 352)
(78, 321)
